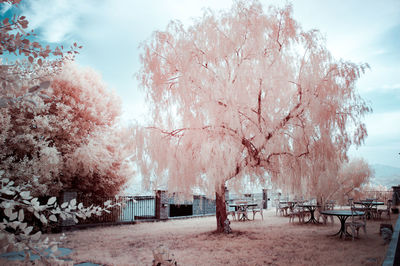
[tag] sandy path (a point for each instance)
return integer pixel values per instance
(272, 241)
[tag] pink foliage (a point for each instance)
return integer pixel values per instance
(340, 182)
(68, 139)
(245, 94)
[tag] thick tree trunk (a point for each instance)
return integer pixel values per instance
(220, 208)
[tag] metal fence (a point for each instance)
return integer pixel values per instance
(131, 208)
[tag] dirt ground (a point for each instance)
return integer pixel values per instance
(272, 241)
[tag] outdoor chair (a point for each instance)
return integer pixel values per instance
(374, 209)
(329, 205)
(297, 211)
(356, 223)
(281, 208)
(387, 210)
(258, 208)
(230, 212)
(242, 213)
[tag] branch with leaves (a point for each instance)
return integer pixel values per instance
(18, 234)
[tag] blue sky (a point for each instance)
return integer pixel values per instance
(357, 30)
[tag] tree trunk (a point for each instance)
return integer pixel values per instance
(220, 208)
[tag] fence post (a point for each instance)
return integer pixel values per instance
(161, 205)
(396, 195)
(265, 198)
(205, 204)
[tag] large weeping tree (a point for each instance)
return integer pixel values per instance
(243, 94)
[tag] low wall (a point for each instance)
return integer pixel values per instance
(393, 252)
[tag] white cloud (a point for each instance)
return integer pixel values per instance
(55, 21)
(380, 77)
(383, 126)
(4, 8)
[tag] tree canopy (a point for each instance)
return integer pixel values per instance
(244, 93)
(69, 139)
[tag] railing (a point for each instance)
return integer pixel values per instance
(131, 208)
(203, 206)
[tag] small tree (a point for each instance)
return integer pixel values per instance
(69, 139)
(341, 181)
(243, 93)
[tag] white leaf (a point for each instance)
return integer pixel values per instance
(64, 205)
(21, 215)
(8, 192)
(51, 200)
(8, 212)
(25, 195)
(13, 216)
(36, 214)
(22, 226)
(34, 202)
(80, 205)
(107, 203)
(36, 236)
(53, 218)
(43, 219)
(73, 202)
(14, 224)
(28, 230)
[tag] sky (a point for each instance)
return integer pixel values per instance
(111, 31)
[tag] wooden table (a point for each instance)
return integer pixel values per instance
(242, 207)
(311, 208)
(342, 215)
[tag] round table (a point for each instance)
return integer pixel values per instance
(311, 208)
(367, 205)
(342, 215)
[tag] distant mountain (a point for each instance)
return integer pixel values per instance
(386, 175)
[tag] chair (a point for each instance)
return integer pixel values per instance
(281, 208)
(230, 212)
(329, 205)
(356, 222)
(387, 210)
(259, 208)
(373, 209)
(296, 211)
(242, 212)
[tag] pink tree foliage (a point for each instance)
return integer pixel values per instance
(244, 94)
(68, 139)
(340, 182)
